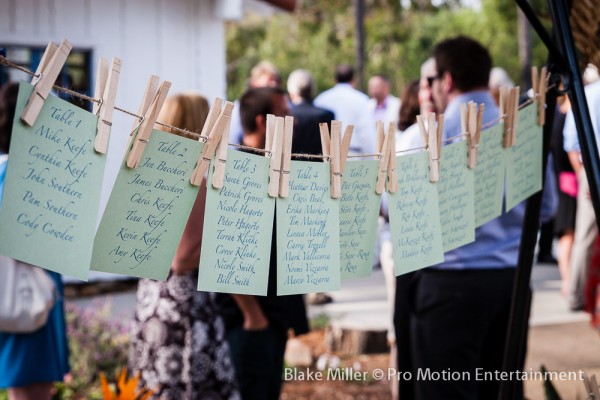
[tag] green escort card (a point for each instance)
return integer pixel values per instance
(414, 216)
(524, 159)
(489, 175)
(238, 228)
(359, 211)
(148, 209)
(456, 197)
(308, 236)
(52, 189)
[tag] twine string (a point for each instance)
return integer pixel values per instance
(196, 136)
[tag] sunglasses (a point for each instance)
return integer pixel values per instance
(431, 79)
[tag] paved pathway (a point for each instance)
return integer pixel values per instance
(362, 302)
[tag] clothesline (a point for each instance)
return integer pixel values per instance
(6, 62)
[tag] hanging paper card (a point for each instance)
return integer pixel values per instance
(359, 211)
(148, 209)
(238, 228)
(524, 160)
(308, 241)
(489, 175)
(52, 188)
(455, 196)
(414, 216)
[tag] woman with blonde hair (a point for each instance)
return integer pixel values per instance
(178, 343)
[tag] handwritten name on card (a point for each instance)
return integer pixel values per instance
(238, 228)
(52, 188)
(359, 211)
(308, 241)
(524, 160)
(489, 175)
(456, 197)
(414, 216)
(148, 209)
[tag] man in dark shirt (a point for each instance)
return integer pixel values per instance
(257, 326)
(307, 117)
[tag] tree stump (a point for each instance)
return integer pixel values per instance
(354, 340)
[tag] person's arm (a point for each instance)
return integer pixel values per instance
(550, 194)
(575, 160)
(254, 318)
(187, 256)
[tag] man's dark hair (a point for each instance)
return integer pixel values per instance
(257, 101)
(344, 73)
(467, 61)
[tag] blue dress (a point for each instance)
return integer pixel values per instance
(40, 356)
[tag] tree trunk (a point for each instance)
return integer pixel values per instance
(524, 32)
(355, 341)
(359, 14)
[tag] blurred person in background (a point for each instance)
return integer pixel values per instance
(585, 221)
(351, 107)
(263, 74)
(399, 341)
(382, 104)
(30, 363)
(498, 78)
(257, 327)
(178, 338)
(307, 117)
(460, 308)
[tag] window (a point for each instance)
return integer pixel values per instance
(75, 75)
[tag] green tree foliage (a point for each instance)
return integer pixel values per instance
(321, 34)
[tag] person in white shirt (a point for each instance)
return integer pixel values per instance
(383, 106)
(351, 107)
(585, 220)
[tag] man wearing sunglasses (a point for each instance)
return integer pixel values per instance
(460, 308)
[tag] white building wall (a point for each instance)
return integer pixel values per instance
(182, 41)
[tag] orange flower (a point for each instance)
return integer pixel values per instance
(127, 388)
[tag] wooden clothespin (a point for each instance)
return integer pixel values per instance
(275, 162)
(535, 83)
(539, 85)
(421, 120)
(504, 97)
(591, 386)
(335, 152)
(221, 157)
(325, 141)
(434, 138)
(384, 160)
(269, 134)
(464, 118)
(346, 146)
(542, 100)
(149, 92)
(286, 157)
(380, 138)
(214, 139)
(392, 185)
(514, 114)
(51, 64)
(107, 82)
(211, 119)
(475, 117)
(146, 126)
(506, 113)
